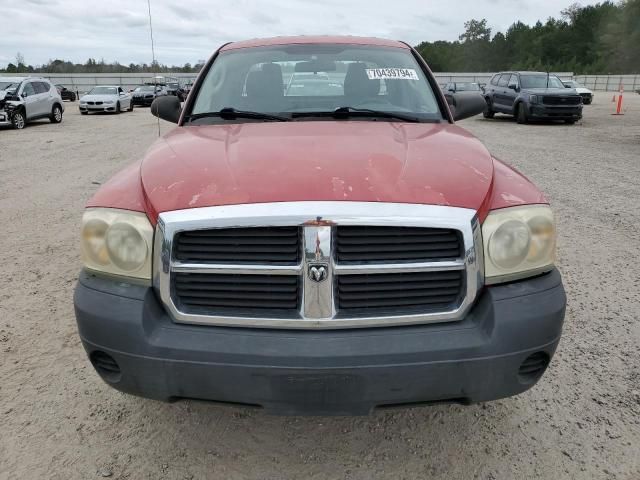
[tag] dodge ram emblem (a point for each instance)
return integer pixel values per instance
(318, 272)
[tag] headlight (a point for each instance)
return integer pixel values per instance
(518, 242)
(83, 102)
(117, 242)
(533, 99)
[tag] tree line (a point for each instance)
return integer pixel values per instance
(97, 66)
(602, 38)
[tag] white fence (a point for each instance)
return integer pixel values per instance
(482, 77)
(610, 83)
(83, 82)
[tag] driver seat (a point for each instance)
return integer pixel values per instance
(265, 88)
(358, 88)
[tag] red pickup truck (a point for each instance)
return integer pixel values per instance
(329, 248)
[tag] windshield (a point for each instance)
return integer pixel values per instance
(464, 87)
(540, 81)
(294, 79)
(7, 85)
(145, 88)
(104, 91)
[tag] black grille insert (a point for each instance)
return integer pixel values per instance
(387, 291)
(358, 244)
(260, 245)
(562, 100)
(236, 293)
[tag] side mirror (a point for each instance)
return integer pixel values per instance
(513, 87)
(24, 94)
(465, 104)
(567, 86)
(167, 107)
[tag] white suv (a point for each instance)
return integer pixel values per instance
(32, 98)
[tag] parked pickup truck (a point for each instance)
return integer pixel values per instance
(319, 254)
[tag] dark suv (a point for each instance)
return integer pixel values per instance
(531, 96)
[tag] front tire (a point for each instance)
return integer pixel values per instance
(521, 115)
(56, 114)
(488, 111)
(569, 122)
(130, 107)
(18, 120)
(118, 107)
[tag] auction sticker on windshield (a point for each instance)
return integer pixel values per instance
(392, 74)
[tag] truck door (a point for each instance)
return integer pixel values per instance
(511, 92)
(500, 93)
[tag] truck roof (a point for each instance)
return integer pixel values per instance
(318, 39)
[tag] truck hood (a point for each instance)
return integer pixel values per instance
(258, 162)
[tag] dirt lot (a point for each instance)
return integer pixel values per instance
(60, 421)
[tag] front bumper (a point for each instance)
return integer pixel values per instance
(342, 372)
(98, 108)
(145, 102)
(587, 98)
(5, 119)
(552, 112)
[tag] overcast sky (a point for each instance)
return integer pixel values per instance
(189, 30)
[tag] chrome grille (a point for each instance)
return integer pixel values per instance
(292, 265)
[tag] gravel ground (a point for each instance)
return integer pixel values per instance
(60, 421)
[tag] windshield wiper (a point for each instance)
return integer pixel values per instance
(345, 112)
(231, 114)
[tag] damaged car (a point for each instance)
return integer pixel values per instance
(28, 99)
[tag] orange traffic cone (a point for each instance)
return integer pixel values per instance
(619, 105)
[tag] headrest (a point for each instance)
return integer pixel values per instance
(266, 84)
(357, 83)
